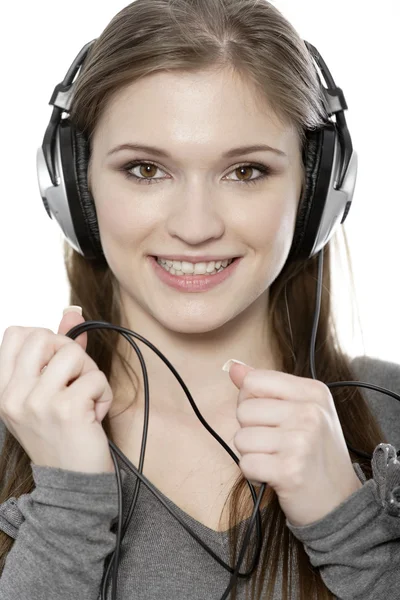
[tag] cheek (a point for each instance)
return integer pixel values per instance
(122, 218)
(272, 225)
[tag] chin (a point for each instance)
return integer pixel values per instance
(192, 325)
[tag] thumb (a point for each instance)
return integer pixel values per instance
(237, 371)
(73, 316)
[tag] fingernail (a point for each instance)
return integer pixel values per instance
(229, 363)
(77, 309)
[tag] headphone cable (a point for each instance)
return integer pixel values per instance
(255, 518)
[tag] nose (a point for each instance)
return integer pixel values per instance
(196, 216)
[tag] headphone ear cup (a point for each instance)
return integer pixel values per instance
(318, 207)
(74, 152)
(311, 161)
(81, 146)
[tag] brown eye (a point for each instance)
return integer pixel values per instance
(146, 169)
(242, 170)
(145, 172)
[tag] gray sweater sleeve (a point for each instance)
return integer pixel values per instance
(357, 545)
(62, 533)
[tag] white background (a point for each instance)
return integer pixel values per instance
(359, 41)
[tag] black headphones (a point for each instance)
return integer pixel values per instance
(330, 166)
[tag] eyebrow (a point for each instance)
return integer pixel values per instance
(229, 154)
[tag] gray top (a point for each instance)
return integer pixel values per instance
(63, 531)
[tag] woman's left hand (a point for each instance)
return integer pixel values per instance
(291, 438)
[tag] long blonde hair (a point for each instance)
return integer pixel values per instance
(252, 37)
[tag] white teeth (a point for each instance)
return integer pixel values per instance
(177, 267)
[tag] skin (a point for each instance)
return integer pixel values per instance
(290, 437)
(198, 205)
(285, 428)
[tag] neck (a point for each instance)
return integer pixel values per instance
(198, 358)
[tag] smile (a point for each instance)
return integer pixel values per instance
(212, 274)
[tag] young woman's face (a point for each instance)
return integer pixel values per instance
(194, 201)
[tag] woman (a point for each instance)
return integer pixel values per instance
(165, 220)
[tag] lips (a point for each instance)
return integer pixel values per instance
(195, 259)
(194, 283)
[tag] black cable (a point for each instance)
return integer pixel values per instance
(316, 314)
(312, 355)
(120, 531)
(244, 546)
(88, 326)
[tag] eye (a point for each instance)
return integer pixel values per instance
(150, 169)
(266, 171)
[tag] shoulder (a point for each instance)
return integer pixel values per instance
(385, 371)
(386, 409)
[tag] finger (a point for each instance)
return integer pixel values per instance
(70, 320)
(266, 412)
(283, 386)
(68, 364)
(14, 339)
(262, 468)
(250, 440)
(37, 350)
(90, 391)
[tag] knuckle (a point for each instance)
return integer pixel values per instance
(47, 330)
(40, 335)
(12, 331)
(5, 399)
(74, 348)
(96, 379)
(10, 412)
(312, 415)
(74, 352)
(77, 354)
(247, 463)
(239, 439)
(251, 467)
(242, 412)
(322, 388)
(99, 377)
(64, 338)
(41, 332)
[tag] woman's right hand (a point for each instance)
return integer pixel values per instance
(55, 413)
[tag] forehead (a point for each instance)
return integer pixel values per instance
(196, 109)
